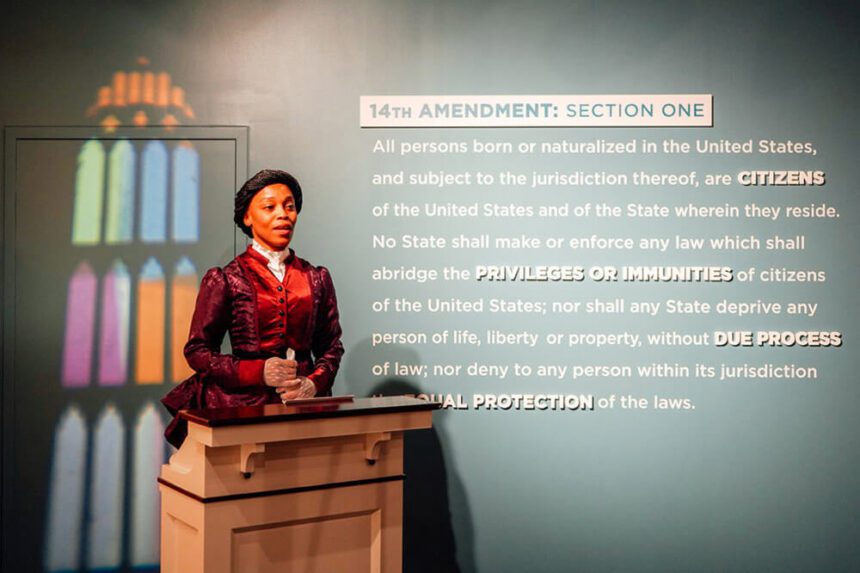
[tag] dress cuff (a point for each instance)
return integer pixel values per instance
(318, 377)
(251, 372)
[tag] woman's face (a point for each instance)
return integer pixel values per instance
(272, 216)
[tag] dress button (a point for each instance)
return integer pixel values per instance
(280, 335)
(281, 301)
(280, 288)
(281, 312)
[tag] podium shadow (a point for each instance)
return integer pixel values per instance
(429, 543)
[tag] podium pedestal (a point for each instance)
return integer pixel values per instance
(312, 487)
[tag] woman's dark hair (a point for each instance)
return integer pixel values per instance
(253, 186)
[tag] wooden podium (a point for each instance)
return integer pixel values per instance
(310, 487)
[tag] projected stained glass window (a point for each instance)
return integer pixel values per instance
(148, 448)
(115, 316)
(102, 482)
(106, 492)
(66, 499)
(183, 295)
(149, 179)
(186, 194)
(89, 183)
(80, 322)
(120, 197)
(104, 297)
(153, 203)
(150, 324)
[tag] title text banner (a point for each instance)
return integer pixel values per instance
(650, 110)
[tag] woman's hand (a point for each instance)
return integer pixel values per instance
(278, 372)
(300, 388)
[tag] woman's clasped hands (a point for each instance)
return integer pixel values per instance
(280, 373)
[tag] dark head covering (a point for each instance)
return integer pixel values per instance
(253, 186)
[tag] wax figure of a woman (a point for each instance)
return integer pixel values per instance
(272, 303)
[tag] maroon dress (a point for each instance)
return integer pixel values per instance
(264, 317)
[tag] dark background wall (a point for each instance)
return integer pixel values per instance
(762, 476)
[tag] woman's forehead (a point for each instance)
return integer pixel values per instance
(276, 191)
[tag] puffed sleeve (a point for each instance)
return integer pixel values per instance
(326, 345)
(212, 314)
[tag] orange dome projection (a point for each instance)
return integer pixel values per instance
(140, 97)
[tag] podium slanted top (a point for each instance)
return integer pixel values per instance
(316, 408)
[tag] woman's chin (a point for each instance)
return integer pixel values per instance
(275, 245)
